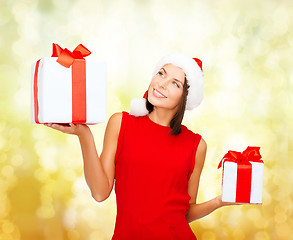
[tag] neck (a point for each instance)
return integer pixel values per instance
(162, 116)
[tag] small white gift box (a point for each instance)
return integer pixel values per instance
(242, 178)
(248, 192)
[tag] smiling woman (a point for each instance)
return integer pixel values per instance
(155, 158)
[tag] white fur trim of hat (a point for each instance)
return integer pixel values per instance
(192, 67)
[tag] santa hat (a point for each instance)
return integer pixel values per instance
(192, 67)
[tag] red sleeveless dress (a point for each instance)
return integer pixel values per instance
(151, 180)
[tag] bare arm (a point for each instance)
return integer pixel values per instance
(94, 172)
(99, 170)
(197, 211)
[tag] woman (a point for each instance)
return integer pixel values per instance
(155, 160)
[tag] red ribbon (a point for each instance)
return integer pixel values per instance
(249, 154)
(244, 170)
(77, 61)
(36, 103)
(67, 58)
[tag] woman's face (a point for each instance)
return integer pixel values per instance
(168, 82)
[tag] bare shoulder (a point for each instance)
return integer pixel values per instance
(114, 122)
(202, 146)
(201, 151)
(116, 116)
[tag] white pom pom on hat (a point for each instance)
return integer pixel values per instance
(137, 106)
(192, 67)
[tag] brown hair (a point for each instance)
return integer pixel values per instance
(176, 121)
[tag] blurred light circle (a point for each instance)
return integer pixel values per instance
(7, 227)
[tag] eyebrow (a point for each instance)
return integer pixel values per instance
(173, 78)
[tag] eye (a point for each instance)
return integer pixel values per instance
(176, 84)
(160, 73)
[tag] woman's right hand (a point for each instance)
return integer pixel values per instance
(75, 129)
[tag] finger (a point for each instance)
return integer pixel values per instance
(59, 127)
(48, 125)
(64, 124)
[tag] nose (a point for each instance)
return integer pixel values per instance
(163, 83)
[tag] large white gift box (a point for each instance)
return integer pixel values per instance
(68, 94)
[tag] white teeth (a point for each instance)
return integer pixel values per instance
(159, 93)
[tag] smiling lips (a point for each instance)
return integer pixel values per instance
(158, 94)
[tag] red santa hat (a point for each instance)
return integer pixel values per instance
(192, 67)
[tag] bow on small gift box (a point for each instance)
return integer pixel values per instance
(242, 176)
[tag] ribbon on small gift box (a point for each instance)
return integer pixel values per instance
(244, 170)
(76, 60)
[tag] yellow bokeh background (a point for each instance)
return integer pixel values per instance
(246, 49)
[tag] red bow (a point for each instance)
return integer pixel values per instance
(249, 154)
(66, 58)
